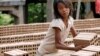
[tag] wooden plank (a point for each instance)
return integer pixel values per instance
(11, 2)
(83, 0)
(6, 8)
(44, 1)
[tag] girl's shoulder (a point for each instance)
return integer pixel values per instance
(71, 19)
(56, 21)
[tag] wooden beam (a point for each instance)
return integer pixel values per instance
(21, 14)
(5, 8)
(12, 9)
(50, 14)
(44, 1)
(12, 2)
(36, 1)
(83, 0)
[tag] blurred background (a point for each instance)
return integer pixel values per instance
(34, 11)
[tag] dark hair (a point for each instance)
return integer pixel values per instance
(67, 3)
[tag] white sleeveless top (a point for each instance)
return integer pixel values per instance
(48, 44)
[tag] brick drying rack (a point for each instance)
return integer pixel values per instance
(27, 36)
(41, 27)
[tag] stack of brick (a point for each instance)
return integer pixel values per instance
(40, 27)
(89, 23)
(90, 50)
(99, 40)
(16, 52)
(22, 38)
(94, 30)
(69, 41)
(23, 29)
(85, 39)
(27, 37)
(30, 47)
(19, 41)
(93, 48)
(61, 53)
(84, 53)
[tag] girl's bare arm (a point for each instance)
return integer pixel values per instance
(73, 31)
(59, 44)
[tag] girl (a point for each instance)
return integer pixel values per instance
(59, 29)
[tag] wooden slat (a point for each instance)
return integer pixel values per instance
(83, 0)
(11, 2)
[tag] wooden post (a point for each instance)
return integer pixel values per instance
(78, 9)
(26, 11)
(21, 14)
(50, 14)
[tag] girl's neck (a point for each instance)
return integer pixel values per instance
(65, 19)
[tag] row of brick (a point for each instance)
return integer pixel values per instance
(91, 50)
(88, 40)
(32, 45)
(35, 36)
(40, 27)
(25, 42)
(25, 36)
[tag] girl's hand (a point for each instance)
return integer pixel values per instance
(78, 47)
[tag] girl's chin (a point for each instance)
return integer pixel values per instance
(65, 15)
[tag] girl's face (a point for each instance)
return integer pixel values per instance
(64, 12)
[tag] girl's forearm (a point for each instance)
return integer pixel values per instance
(64, 47)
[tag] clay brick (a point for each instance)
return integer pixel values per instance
(93, 48)
(22, 37)
(61, 53)
(16, 52)
(84, 53)
(85, 39)
(26, 46)
(68, 41)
